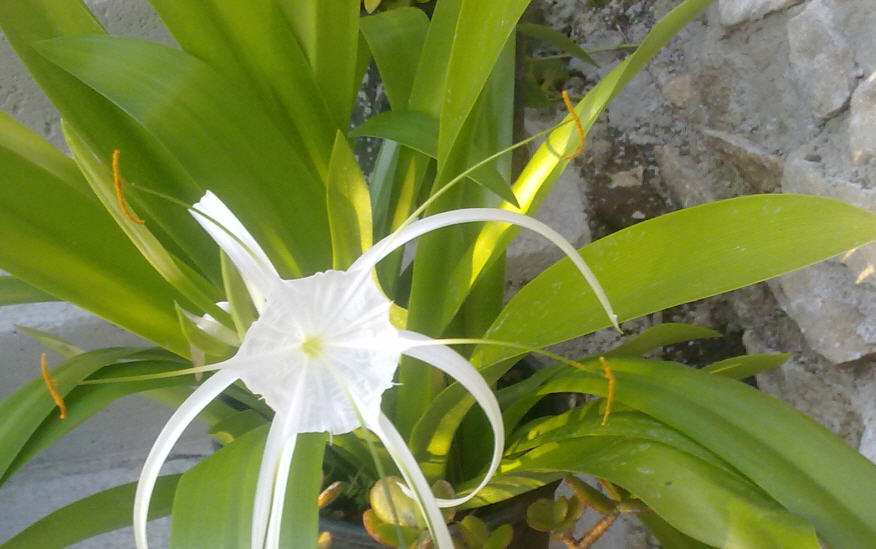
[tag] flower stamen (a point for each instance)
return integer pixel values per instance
(52, 385)
(609, 375)
(120, 196)
(312, 346)
(582, 136)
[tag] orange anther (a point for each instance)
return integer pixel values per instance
(120, 197)
(581, 135)
(609, 375)
(52, 385)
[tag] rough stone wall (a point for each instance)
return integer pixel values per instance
(755, 96)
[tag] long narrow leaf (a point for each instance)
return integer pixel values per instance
(102, 512)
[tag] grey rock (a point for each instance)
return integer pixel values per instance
(760, 168)
(862, 122)
(821, 58)
(682, 176)
(736, 12)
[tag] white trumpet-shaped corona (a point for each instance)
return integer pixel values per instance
(321, 354)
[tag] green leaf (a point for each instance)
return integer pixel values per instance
(300, 512)
(43, 217)
(105, 127)
(86, 400)
(328, 33)
(53, 342)
(648, 267)
(704, 501)
(234, 154)
(474, 51)
(668, 333)
(102, 512)
(677, 258)
(805, 467)
(395, 39)
(182, 277)
(669, 537)
(242, 310)
(349, 206)
(546, 165)
(420, 132)
(207, 513)
(15, 292)
(556, 39)
(740, 367)
(252, 46)
(24, 410)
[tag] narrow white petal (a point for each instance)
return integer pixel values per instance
(369, 259)
(277, 435)
(449, 361)
(238, 244)
(174, 428)
(412, 474)
(283, 465)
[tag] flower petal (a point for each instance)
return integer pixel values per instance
(171, 432)
(446, 359)
(410, 470)
(369, 259)
(229, 233)
(281, 430)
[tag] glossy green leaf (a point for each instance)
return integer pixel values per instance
(395, 39)
(86, 400)
(58, 240)
(349, 206)
(740, 367)
(705, 502)
(481, 32)
(241, 308)
(546, 165)
(556, 39)
(252, 46)
(653, 265)
(668, 333)
(24, 410)
(104, 126)
(200, 339)
(328, 33)
(669, 537)
(805, 467)
(208, 514)
(15, 292)
(232, 155)
(102, 512)
(182, 277)
(680, 257)
(52, 341)
(420, 132)
(300, 512)
(587, 422)
(236, 425)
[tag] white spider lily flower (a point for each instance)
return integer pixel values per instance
(321, 354)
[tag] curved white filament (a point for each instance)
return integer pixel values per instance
(238, 244)
(446, 359)
(282, 478)
(410, 470)
(280, 431)
(171, 432)
(370, 258)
